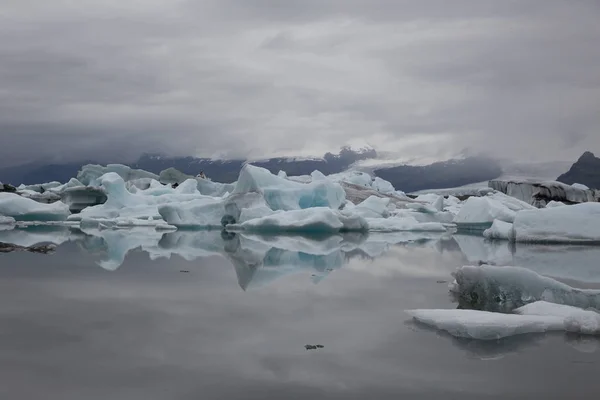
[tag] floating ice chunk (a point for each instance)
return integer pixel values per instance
(383, 186)
(312, 220)
(441, 217)
(480, 212)
(201, 213)
(509, 202)
(536, 317)
(485, 325)
(215, 189)
(511, 287)
(372, 207)
(500, 230)
(46, 197)
(435, 200)
(539, 193)
(553, 204)
(80, 197)
(283, 194)
(90, 173)
(141, 205)
(400, 224)
(211, 212)
(23, 209)
(579, 223)
(255, 212)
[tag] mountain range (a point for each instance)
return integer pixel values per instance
(409, 178)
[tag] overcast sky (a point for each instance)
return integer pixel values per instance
(114, 78)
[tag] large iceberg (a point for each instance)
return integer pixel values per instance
(480, 212)
(283, 194)
(121, 203)
(534, 318)
(540, 193)
(210, 212)
(24, 209)
(502, 288)
(90, 173)
(313, 220)
(578, 223)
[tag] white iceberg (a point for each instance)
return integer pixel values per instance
(24, 209)
(143, 204)
(209, 212)
(480, 212)
(283, 194)
(372, 207)
(89, 174)
(540, 193)
(534, 318)
(312, 220)
(401, 224)
(578, 223)
(499, 230)
(494, 287)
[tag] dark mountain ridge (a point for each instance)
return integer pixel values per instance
(586, 171)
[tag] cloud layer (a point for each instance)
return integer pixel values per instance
(111, 79)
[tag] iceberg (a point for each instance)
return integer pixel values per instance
(210, 212)
(401, 224)
(499, 230)
(79, 197)
(313, 220)
(491, 287)
(24, 209)
(89, 174)
(540, 193)
(537, 317)
(478, 213)
(372, 207)
(286, 195)
(578, 223)
(143, 204)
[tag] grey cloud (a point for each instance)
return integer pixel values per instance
(268, 78)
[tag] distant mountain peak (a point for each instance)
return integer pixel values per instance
(588, 155)
(586, 171)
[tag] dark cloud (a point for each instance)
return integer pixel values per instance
(267, 77)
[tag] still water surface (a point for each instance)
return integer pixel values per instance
(235, 327)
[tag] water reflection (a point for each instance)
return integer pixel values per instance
(148, 331)
(261, 259)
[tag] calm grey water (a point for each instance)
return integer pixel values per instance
(187, 329)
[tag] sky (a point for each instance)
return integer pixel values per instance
(108, 79)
